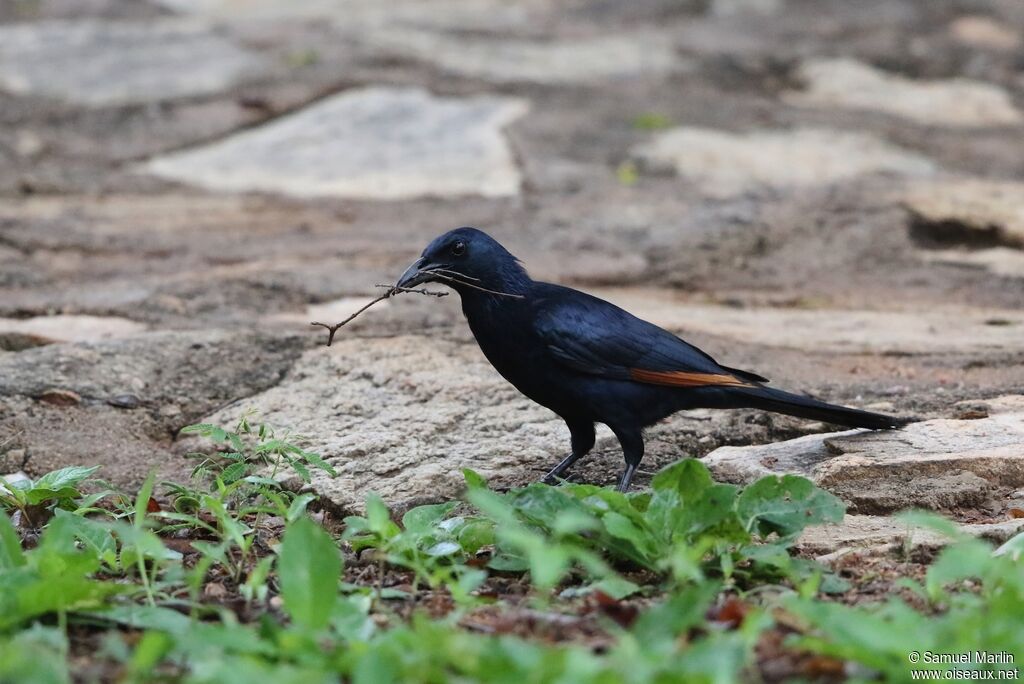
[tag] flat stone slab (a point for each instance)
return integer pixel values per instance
(377, 143)
(100, 63)
(849, 84)
(972, 210)
(937, 464)
(549, 62)
(403, 416)
(885, 533)
(70, 328)
(965, 330)
(723, 164)
(119, 402)
(1000, 261)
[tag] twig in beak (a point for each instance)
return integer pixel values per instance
(392, 290)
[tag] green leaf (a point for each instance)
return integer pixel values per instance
(316, 460)
(11, 555)
(308, 566)
(476, 534)
(786, 505)
(234, 472)
(473, 479)
(72, 476)
(298, 506)
(688, 478)
(379, 517)
(679, 613)
(424, 518)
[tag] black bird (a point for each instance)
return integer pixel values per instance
(590, 361)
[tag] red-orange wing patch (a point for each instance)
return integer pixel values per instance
(685, 379)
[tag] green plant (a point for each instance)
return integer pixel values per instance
(686, 527)
(35, 500)
(431, 544)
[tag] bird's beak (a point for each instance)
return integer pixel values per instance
(417, 273)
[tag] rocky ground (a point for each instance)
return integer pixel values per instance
(827, 193)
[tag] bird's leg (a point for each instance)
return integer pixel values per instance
(626, 479)
(583, 437)
(632, 442)
(563, 466)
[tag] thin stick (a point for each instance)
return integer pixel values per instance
(450, 279)
(391, 291)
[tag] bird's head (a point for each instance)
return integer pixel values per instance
(467, 259)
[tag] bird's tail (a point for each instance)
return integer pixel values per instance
(769, 399)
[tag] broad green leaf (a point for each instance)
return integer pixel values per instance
(71, 476)
(786, 505)
(298, 506)
(688, 477)
(423, 518)
(35, 655)
(309, 566)
(476, 534)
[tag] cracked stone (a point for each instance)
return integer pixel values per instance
(849, 84)
(936, 464)
(378, 142)
(724, 164)
(833, 330)
(562, 61)
(101, 63)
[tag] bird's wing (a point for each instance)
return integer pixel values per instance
(595, 337)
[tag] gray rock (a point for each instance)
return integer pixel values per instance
(380, 143)
(936, 464)
(724, 164)
(552, 62)
(54, 399)
(196, 370)
(834, 330)
(115, 63)
(849, 84)
(403, 416)
(886, 534)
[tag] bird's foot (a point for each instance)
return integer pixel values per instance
(557, 473)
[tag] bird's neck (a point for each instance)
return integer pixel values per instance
(506, 289)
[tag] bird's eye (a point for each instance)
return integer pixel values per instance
(458, 248)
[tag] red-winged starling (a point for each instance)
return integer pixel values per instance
(590, 361)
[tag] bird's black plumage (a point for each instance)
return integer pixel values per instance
(590, 361)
